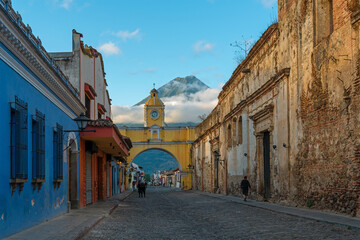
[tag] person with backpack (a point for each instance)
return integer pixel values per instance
(245, 186)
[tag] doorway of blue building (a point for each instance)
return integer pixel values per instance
(72, 176)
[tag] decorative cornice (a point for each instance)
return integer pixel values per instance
(90, 91)
(255, 49)
(236, 110)
(207, 132)
(19, 39)
(214, 141)
(24, 73)
(270, 84)
(267, 110)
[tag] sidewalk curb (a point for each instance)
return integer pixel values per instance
(87, 229)
(300, 215)
(99, 219)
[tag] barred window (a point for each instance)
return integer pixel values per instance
(18, 139)
(58, 152)
(38, 146)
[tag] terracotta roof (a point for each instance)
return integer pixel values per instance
(128, 141)
(101, 123)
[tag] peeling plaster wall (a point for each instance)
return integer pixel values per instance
(303, 87)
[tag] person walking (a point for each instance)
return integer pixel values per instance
(245, 186)
(140, 190)
(144, 188)
(133, 185)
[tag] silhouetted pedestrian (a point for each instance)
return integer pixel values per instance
(140, 191)
(141, 188)
(245, 186)
(144, 189)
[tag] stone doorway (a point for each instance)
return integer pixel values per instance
(266, 157)
(263, 125)
(216, 171)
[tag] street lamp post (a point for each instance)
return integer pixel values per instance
(82, 122)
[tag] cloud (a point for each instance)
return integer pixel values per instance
(203, 46)
(268, 3)
(127, 114)
(147, 70)
(179, 108)
(128, 35)
(109, 49)
(66, 4)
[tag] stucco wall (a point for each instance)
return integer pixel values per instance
(31, 206)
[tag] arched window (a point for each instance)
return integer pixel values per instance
(240, 127)
(229, 136)
(234, 132)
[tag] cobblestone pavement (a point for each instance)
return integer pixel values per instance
(169, 214)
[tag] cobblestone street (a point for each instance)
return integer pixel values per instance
(169, 214)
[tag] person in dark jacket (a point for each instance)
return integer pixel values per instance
(140, 187)
(144, 189)
(245, 186)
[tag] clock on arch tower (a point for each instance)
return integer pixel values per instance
(154, 110)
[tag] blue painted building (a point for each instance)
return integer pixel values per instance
(39, 166)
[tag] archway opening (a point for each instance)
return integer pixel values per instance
(157, 163)
(72, 155)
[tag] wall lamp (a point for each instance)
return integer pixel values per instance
(190, 166)
(274, 147)
(245, 154)
(285, 146)
(82, 122)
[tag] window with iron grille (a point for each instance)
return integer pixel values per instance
(58, 152)
(38, 146)
(18, 139)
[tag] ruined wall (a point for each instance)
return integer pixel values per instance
(300, 83)
(326, 169)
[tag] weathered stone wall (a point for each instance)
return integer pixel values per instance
(300, 83)
(326, 173)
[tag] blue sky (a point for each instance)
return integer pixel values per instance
(151, 41)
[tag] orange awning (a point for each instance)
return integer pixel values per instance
(107, 137)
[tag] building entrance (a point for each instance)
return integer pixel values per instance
(266, 146)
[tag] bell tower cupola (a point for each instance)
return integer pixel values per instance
(154, 110)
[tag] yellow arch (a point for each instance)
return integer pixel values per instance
(176, 141)
(155, 134)
(160, 149)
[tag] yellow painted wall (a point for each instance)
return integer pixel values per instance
(159, 120)
(177, 142)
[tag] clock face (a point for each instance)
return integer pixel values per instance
(154, 114)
